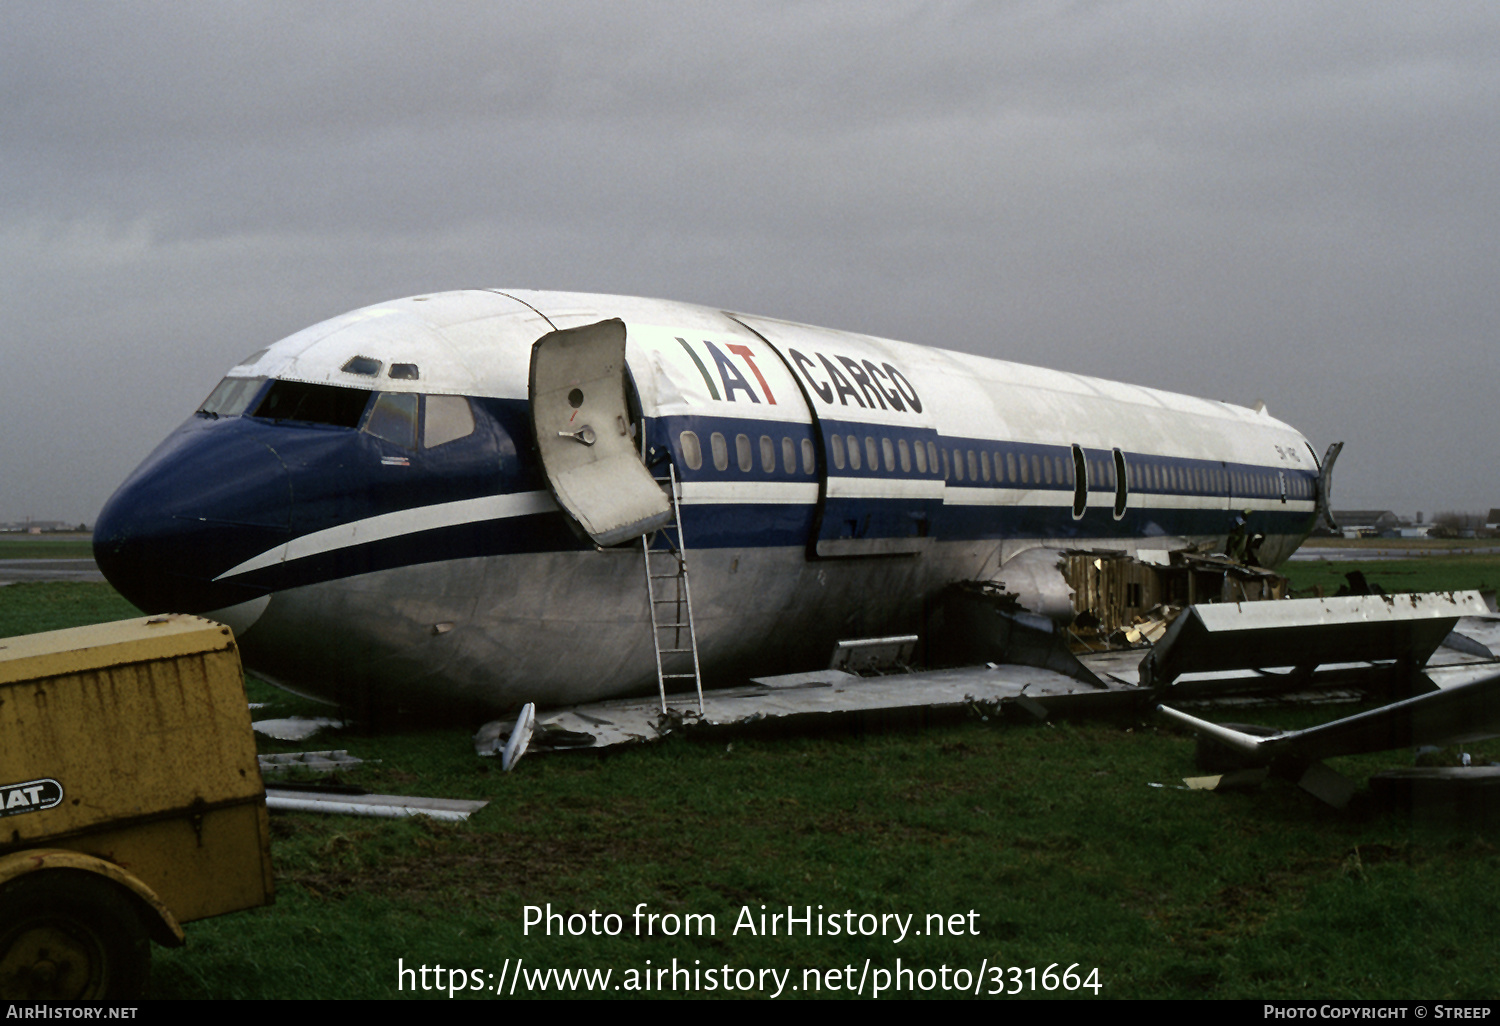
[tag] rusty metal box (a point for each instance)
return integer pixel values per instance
(131, 742)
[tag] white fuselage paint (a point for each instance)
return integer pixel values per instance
(570, 626)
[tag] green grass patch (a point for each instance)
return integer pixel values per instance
(1053, 836)
(1426, 573)
(1424, 544)
(30, 547)
(34, 606)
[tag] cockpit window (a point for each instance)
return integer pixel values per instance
(405, 371)
(314, 404)
(447, 419)
(363, 365)
(394, 418)
(231, 397)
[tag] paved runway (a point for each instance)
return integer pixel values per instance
(13, 570)
(1339, 554)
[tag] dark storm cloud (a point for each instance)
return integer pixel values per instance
(1245, 201)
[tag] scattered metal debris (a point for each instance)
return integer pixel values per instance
(1327, 785)
(1388, 640)
(520, 737)
(314, 762)
(976, 622)
(385, 806)
(876, 655)
(1466, 795)
(1115, 593)
(295, 728)
(1096, 682)
(1304, 634)
(1244, 779)
(799, 698)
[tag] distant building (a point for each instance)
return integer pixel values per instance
(37, 527)
(1366, 523)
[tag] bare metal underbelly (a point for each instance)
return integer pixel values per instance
(561, 628)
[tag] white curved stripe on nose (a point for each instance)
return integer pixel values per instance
(401, 522)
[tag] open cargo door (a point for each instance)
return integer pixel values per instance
(578, 409)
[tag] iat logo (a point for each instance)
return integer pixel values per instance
(32, 796)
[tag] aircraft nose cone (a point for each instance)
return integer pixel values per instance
(210, 497)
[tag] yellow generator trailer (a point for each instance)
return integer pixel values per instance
(131, 801)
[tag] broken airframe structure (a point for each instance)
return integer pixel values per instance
(1146, 633)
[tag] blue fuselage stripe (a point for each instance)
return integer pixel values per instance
(310, 478)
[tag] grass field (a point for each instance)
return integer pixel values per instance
(26, 546)
(1418, 544)
(1054, 836)
(1426, 573)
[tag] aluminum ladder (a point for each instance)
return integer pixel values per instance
(672, 632)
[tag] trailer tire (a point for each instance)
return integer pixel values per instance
(70, 935)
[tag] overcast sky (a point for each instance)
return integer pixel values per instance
(1283, 201)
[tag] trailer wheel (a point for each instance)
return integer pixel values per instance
(70, 935)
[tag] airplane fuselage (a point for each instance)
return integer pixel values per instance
(372, 504)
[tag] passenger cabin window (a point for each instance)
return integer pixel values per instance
(692, 451)
(742, 454)
(445, 418)
(307, 403)
(809, 458)
(767, 454)
(394, 418)
(853, 452)
(837, 445)
(231, 396)
(720, 450)
(788, 456)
